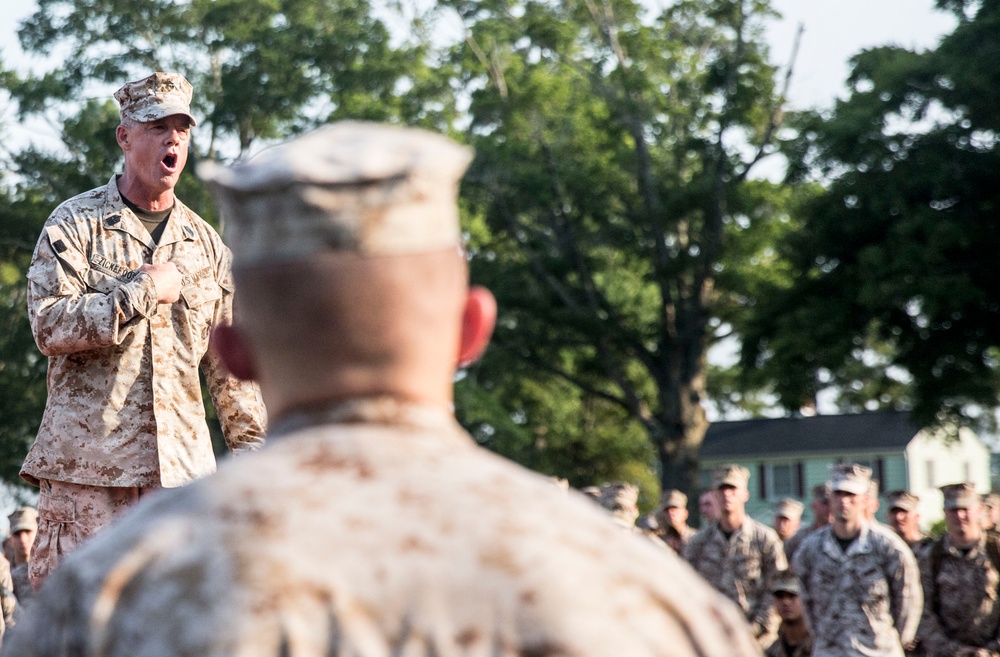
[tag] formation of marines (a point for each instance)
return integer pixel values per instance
(370, 523)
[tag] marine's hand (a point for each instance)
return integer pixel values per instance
(167, 280)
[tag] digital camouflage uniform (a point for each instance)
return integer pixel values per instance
(862, 602)
(961, 606)
(124, 406)
(23, 590)
(741, 568)
(793, 543)
(375, 528)
(779, 649)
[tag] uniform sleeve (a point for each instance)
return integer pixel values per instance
(907, 593)
(70, 309)
(762, 615)
(930, 632)
(802, 564)
(692, 550)
(8, 602)
(237, 403)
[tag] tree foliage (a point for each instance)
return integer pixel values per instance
(896, 294)
(619, 227)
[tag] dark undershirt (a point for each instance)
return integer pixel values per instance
(845, 542)
(155, 222)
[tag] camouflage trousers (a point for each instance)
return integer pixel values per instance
(68, 515)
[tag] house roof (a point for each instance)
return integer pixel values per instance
(862, 432)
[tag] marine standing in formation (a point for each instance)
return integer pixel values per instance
(961, 575)
(794, 639)
(124, 287)
(787, 519)
(860, 584)
(904, 519)
(371, 523)
(672, 520)
(738, 555)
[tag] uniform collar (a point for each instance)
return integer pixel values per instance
(117, 216)
(378, 410)
(861, 545)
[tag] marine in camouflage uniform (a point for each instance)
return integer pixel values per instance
(794, 639)
(125, 320)
(672, 518)
(371, 523)
(739, 556)
(904, 519)
(961, 575)
(860, 584)
(23, 530)
(820, 506)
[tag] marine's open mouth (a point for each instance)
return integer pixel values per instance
(170, 161)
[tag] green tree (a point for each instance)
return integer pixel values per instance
(614, 213)
(896, 293)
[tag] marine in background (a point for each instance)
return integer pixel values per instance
(794, 639)
(960, 574)
(671, 519)
(787, 518)
(904, 519)
(738, 555)
(860, 583)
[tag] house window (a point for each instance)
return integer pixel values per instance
(968, 471)
(785, 480)
(931, 481)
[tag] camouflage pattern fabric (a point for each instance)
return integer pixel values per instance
(865, 601)
(965, 588)
(69, 515)
(8, 603)
(778, 648)
(677, 540)
(113, 351)
(375, 527)
(795, 540)
(23, 590)
(742, 568)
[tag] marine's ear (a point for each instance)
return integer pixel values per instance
(478, 320)
(231, 345)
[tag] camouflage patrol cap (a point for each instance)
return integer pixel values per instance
(673, 498)
(785, 581)
(991, 500)
(901, 499)
(789, 508)
(851, 478)
(730, 475)
(357, 187)
(960, 496)
(154, 97)
(25, 518)
(622, 500)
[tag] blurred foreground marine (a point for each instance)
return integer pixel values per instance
(860, 584)
(738, 555)
(960, 573)
(371, 523)
(124, 287)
